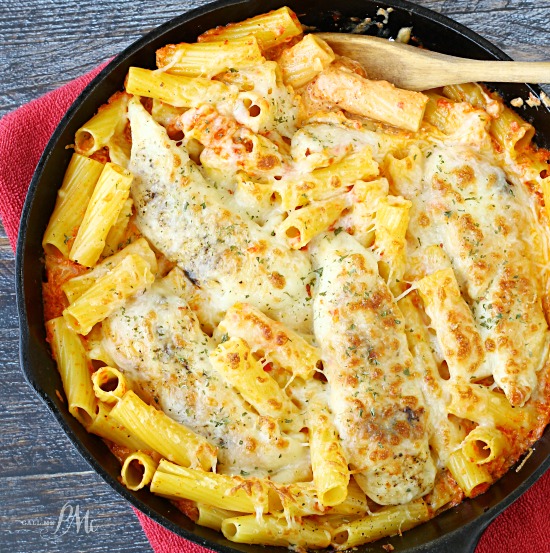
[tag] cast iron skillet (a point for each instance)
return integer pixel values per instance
(456, 530)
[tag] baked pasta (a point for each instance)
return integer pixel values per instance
(307, 307)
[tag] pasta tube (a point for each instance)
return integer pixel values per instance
(106, 427)
(391, 223)
(377, 100)
(270, 29)
(472, 93)
(355, 502)
(484, 444)
(278, 344)
(511, 132)
(328, 181)
(234, 361)
(75, 287)
(302, 499)
(445, 436)
(116, 235)
(171, 439)
(96, 348)
(76, 190)
(103, 209)
(359, 218)
(468, 475)
(137, 470)
(206, 59)
(387, 522)
(442, 113)
(479, 404)
(218, 490)
(99, 130)
(120, 150)
(447, 308)
(109, 384)
(272, 530)
(304, 224)
(405, 173)
(328, 462)
(305, 60)
(212, 517)
(176, 90)
(166, 115)
(74, 368)
(131, 276)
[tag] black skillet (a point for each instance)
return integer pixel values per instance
(455, 531)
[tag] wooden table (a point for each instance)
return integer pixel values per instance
(44, 44)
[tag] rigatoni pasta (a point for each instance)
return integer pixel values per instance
(72, 198)
(209, 58)
(296, 302)
(305, 60)
(218, 490)
(101, 128)
(378, 100)
(108, 428)
(131, 276)
(109, 384)
(76, 286)
(108, 198)
(172, 440)
(328, 462)
(271, 530)
(74, 367)
(270, 29)
(138, 470)
(234, 361)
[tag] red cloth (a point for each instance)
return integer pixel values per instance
(525, 526)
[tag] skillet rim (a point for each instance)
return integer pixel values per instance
(465, 535)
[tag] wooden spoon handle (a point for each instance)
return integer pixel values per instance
(464, 70)
(417, 69)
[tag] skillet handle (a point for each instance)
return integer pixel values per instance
(463, 541)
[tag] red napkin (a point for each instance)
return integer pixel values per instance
(23, 136)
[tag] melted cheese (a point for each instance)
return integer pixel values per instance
(374, 391)
(156, 339)
(467, 205)
(185, 218)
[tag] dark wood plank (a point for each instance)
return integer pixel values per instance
(66, 512)
(44, 44)
(520, 28)
(41, 470)
(58, 41)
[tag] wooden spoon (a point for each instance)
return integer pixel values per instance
(415, 69)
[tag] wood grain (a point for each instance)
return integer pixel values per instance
(47, 520)
(43, 44)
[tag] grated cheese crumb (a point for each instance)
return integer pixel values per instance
(517, 102)
(533, 101)
(404, 35)
(384, 13)
(360, 27)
